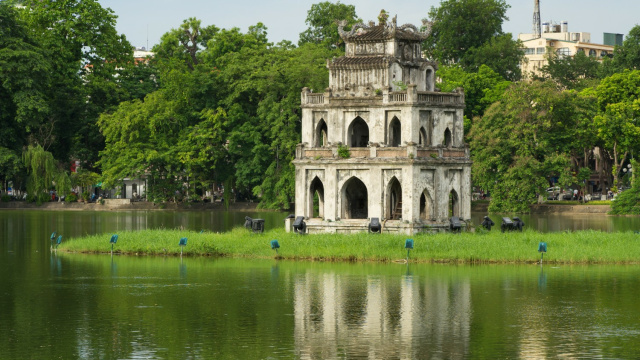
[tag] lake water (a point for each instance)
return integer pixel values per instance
(75, 306)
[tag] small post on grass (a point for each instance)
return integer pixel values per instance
(183, 243)
(53, 237)
(542, 248)
(408, 244)
(113, 241)
(275, 246)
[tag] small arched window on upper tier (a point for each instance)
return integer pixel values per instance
(395, 130)
(447, 138)
(321, 134)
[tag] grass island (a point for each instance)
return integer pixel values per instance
(580, 247)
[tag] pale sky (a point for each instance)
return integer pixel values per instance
(144, 21)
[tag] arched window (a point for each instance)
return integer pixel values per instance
(355, 203)
(422, 141)
(316, 199)
(395, 130)
(447, 138)
(592, 52)
(454, 204)
(429, 79)
(321, 134)
(394, 200)
(358, 133)
(426, 206)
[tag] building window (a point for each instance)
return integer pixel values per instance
(603, 53)
(564, 51)
(540, 50)
(592, 52)
(394, 132)
(529, 51)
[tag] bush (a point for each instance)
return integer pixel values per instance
(85, 196)
(71, 198)
(5, 198)
(343, 151)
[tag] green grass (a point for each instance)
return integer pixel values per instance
(486, 247)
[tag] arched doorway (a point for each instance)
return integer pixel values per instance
(426, 206)
(321, 134)
(447, 138)
(355, 202)
(454, 204)
(395, 130)
(394, 200)
(358, 133)
(422, 141)
(316, 199)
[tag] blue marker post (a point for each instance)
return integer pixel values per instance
(53, 237)
(113, 241)
(408, 244)
(275, 246)
(58, 241)
(183, 243)
(542, 248)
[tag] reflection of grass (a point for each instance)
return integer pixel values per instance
(487, 247)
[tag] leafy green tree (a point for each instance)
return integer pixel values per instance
(628, 201)
(481, 89)
(11, 167)
(185, 43)
(522, 140)
(627, 56)
(42, 170)
(85, 52)
(469, 33)
(618, 118)
(577, 72)
(500, 53)
(322, 20)
(24, 81)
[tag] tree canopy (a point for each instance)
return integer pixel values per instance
(323, 19)
(469, 33)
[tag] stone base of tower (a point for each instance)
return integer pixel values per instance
(319, 226)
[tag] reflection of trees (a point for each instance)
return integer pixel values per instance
(380, 317)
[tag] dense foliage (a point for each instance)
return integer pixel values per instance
(469, 33)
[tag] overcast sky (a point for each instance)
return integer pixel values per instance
(144, 21)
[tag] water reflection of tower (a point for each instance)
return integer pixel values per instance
(381, 317)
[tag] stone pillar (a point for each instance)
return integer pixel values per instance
(303, 95)
(412, 93)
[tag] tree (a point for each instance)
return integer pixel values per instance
(185, 42)
(24, 81)
(627, 56)
(618, 120)
(10, 167)
(322, 20)
(500, 53)
(524, 139)
(42, 171)
(571, 72)
(481, 89)
(85, 53)
(469, 33)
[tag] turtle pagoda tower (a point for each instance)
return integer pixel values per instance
(381, 141)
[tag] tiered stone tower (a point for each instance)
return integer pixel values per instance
(382, 141)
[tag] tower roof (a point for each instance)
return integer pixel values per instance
(384, 31)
